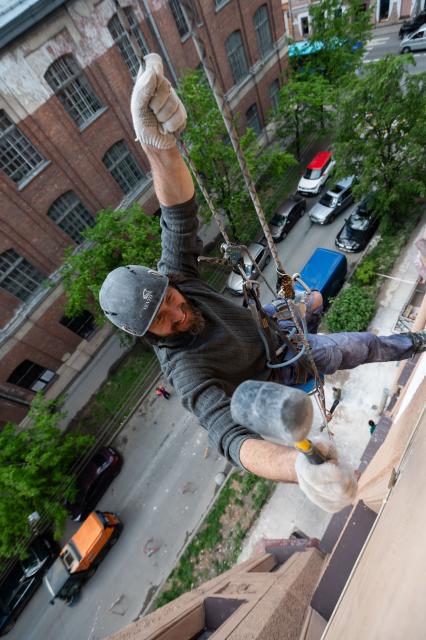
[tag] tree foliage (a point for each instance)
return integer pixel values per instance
(380, 136)
(352, 310)
(215, 159)
(343, 32)
(118, 238)
(35, 474)
(305, 102)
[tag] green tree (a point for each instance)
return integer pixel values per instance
(216, 161)
(118, 238)
(305, 102)
(381, 135)
(341, 30)
(35, 474)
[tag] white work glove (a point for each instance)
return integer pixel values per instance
(157, 112)
(332, 486)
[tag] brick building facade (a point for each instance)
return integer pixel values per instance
(68, 150)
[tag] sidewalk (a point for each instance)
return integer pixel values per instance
(362, 397)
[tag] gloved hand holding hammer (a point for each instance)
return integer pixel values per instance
(284, 415)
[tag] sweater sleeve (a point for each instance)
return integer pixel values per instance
(207, 399)
(179, 240)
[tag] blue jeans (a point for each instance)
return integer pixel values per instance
(336, 351)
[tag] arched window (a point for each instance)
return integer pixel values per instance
(236, 56)
(73, 89)
(263, 30)
(122, 41)
(18, 157)
(18, 276)
(71, 216)
(123, 167)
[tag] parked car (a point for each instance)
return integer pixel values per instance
(358, 228)
(261, 255)
(94, 480)
(23, 579)
(80, 557)
(325, 271)
(411, 25)
(414, 41)
(333, 202)
(286, 217)
(317, 173)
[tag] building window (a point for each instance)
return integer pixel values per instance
(263, 30)
(274, 94)
(18, 157)
(73, 89)
(30, 375)
(181, 23)
(253, 120)
(83, 325)
(236, 56)
(18, 276)
(304, 26)
(122, 41)
(71, 216)
(123, 167)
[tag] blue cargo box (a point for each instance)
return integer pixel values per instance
(325, 271)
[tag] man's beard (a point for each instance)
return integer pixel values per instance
(197, 320)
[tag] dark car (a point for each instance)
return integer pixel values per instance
(23, 579)
(286, 217)
(358, 228)
(409, 26)
(94, 480)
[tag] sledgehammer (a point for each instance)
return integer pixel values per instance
(276, 412)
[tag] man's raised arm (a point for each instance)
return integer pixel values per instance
(158, 116)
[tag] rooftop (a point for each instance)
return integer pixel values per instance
(17, 16)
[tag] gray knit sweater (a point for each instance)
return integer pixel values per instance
(205, 369)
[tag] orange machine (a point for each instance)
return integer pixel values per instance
(80, 557)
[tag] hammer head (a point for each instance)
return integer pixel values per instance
(276, 412)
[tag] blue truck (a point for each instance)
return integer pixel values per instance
(325, 271)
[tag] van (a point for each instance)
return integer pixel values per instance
(81, 556)
(325, 271)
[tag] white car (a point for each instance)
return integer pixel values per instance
(261, 255)
(317, 173)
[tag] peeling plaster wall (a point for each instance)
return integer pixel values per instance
(80, 28)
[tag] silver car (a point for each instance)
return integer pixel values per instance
(415, 41)
(333, 202)
(261, 255)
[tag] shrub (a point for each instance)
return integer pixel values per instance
(366, 272)
(351, 311)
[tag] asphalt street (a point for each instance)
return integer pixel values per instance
(167, 481)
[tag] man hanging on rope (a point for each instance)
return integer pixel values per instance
(206, 344)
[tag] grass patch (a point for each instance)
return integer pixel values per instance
(135, 371)
(217, 545)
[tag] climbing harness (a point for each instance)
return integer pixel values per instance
(287, 306)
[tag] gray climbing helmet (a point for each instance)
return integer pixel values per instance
(131, 296)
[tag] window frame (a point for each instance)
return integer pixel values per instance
(180, 20)
(274, 97)
(74, 91)
(116, 168)
(15, 140)
(254, 115)
(33, 385)
(21, 289)
(122, 40)
(237, 57)
(263, 28)
(68, 213)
